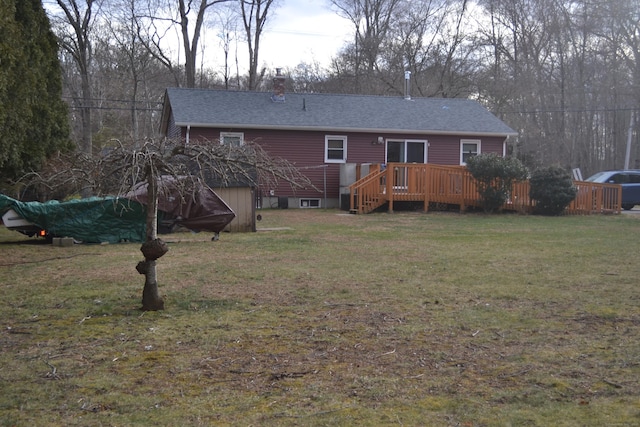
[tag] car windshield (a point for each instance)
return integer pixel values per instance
(597, 177)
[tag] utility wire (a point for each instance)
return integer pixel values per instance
(115, 108)
(571, 110)
(79, 98)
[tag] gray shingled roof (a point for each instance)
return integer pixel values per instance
(332, 112)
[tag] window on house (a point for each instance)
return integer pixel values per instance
(335, 149)
(468, 148)
(232, 138)
(309, 203)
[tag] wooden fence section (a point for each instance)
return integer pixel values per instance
(454, 185)
(596, 198)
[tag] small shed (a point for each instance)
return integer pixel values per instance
(242, 199)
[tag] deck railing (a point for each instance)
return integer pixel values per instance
(370, 192)
(596, 198)
(454, 185)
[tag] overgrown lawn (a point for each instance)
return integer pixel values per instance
(435, 319)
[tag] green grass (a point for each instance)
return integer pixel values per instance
(329, 319)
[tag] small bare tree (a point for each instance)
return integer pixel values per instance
(124, 167)
(254, 18)
(188, 18)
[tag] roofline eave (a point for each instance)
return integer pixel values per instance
(345, 129)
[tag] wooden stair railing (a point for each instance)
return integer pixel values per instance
(368, 193)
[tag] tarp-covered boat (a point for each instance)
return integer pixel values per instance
(118, 219)
(91, 220)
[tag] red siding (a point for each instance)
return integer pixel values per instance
(493, 145)
(444, 150)
(306, 151)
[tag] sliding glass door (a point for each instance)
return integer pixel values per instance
(407, 151)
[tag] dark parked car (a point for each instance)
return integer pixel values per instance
(628, 179)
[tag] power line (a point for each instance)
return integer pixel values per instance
(133, 104)
(116, 108)
(572, 110)
(144, 101)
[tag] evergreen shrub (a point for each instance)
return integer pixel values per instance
(552, 189)
(495, 176)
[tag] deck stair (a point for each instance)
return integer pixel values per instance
(368, 193)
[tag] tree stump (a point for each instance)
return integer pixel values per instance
(152, 250)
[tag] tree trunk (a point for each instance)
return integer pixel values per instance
(152, 249)
(87, 140)
(151, 300)
(254, 12)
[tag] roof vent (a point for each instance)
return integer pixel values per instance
(278, 86)
(407, 85)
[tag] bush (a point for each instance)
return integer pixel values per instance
(495, 176)
(552, 189)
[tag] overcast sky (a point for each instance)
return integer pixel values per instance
(303, 31)
(296, 31)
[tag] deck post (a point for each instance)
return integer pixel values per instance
(351, 201)
(425, 187)
(464, 189)
(389, 188)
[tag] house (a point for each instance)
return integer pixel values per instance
(328, 135)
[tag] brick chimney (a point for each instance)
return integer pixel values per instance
(278, 86)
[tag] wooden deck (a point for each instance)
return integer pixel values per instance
(454, 185)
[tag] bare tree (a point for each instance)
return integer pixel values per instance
(372, 21)
(452, 44)
(227, 22)
(413, 44)
(307, 77)
(74, 27)
(431, 39)
(124, 167)
(562, 72)
(254, 18)
(188, 17)
(620, 32)
(190, 43)
(154, 30)
(123, 54)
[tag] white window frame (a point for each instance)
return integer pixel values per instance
(310, 203)
(406, 143)
(224, 135)
(477, 143)
(328, 138)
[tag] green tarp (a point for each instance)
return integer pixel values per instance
(91, 220)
